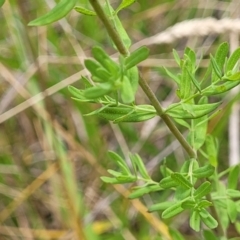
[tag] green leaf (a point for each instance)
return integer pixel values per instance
(209, 221)
(220, 58)
(204, 204)
(97, 91)
(105, 60)
(140, 165)
(197, 111)
(168, 182)
(180, 180)
(85, 11)
(160, 206)
(144, 190)
(126, 91)
(135, 117)
(172, 210)
(209, 235)
(234, 77)
(171, 75)
(58, 12)
(185, 82)
(217, 74)
(233, 177)
(212, 150)
(176, 57)
(114, 173)
(202, 190)
(182, 193)
(136, 57)
(194, 81)
(188, 204)
(232, 210)
(119, 180)
(233, 59)
(97, 71)
(192, 57)
(218, 89)
(233, 193)
(112, 113)
(133, 76)
(175, 234)
(204, 172)
(2, 2)
(195, 221)
(198, 132)
(124, 4)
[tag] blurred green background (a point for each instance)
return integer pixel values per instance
(51, 157)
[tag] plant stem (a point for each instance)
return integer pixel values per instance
(109, 27)
(167, 120)
(116, 38)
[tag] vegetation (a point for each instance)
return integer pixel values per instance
(67, 172)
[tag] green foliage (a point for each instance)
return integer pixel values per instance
(58, 12)
(113, 85)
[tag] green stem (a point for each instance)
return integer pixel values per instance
(167, 120)
(110, 29)
(124, 51)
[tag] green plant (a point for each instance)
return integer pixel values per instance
(196, 187)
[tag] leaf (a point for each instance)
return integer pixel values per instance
(209, 221)
(209, 235)
(232, 210)
(160, 206)
(2, 2)
(58, 12)
(195, 81)
(220, 58)
(188, 204)
(182, 193)
(144, 190)
(120, 162)
(202, 190)
(185, 82)
(180, 180)
(234, 77)
(175, 234)
(212, 150)
(133, 77)
(84, 11)
(97, 71)
(118, 180)
(204, 204)
(172, 210)
(233, 177)
(127, 94)
(105, 60)
(97, 91)
(135, 117)
(199, 128)
(136, 57)
(176, 57)
(233, 193)
(192, 57)
(124, 4)
(218, 89)
(197, 111)
(195, 221)
(114, 173)
(171, 75)
(233, 59)
(204, 172)
(217, 74)
(140, 165)
(167, 182)
(112, 113)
